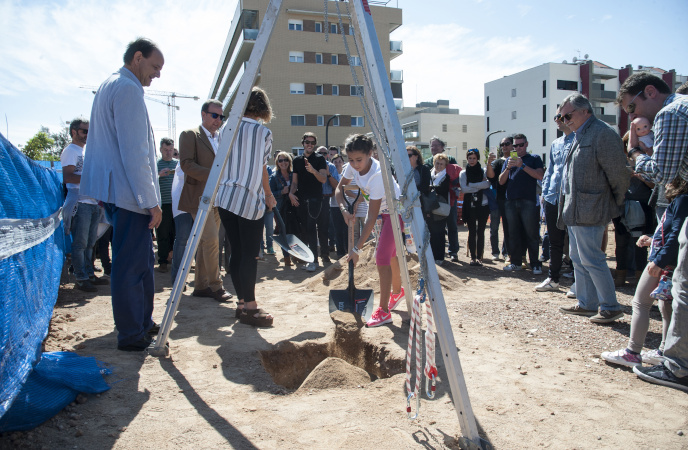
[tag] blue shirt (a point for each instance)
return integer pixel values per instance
(327, 187)
(551, 183)
(520, 184)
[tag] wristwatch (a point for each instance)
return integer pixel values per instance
(635, 150)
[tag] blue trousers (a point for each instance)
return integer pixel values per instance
(132, 280)
(182, 225)
(84, 233)
(453, 230)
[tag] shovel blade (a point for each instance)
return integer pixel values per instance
(362, 302)
(293, 245)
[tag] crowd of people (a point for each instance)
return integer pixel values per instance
(594, 178)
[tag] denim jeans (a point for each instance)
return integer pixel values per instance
(594, 282)
(676, 346)
(132, 282)
(453, 230)
(269, 221)
(182, 226)
(494, 229)
(523, 218)
(84, 233)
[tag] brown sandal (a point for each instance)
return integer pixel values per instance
(239, 309)
(248, 317)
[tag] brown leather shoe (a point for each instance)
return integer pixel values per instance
(220, 295)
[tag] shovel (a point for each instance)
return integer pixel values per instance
(357, 301)
(290, 243)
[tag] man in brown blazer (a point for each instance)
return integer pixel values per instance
(197, 149)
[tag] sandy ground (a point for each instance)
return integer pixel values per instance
(534, 376)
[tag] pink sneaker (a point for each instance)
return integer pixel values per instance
(395, 299)
(379, 317)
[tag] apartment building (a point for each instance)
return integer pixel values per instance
(427, 119)
(526, 102)
(308, 78)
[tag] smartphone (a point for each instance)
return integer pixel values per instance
(513, 155)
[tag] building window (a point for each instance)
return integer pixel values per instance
(296, 25)
(321, 121)
(565, 85)
(318, 58)
(464, 128)
(333, 28)
(335, 60)
(544, 88)
(488, 124)
(355, 61)
(544, 137)
(544, 113)
(298, 121)
(356, 90)
(319, 89)
(513, 115)
(297, 88)
(335, 89)
(335, 121)
(351, 30)
(296, 57)
(318, 27)
(357, 121)
(444, 128)
(465, 145)
(487, 102)
(513, 92)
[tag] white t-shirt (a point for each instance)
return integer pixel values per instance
(73, 155)
(372, 184)
(176, 192)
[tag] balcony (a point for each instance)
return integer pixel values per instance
(396, 48)
(410, 135)
(399, 104)
(600, 73)
(602, 96)
(396, 76)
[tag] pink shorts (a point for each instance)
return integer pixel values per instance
(385, 246)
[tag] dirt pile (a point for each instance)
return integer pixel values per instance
(335, 373)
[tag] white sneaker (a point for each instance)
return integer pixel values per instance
(537, 271)
(567, 275)
(495, 257)
(512, 268)
(547, 285)
(572, 291)
(311, 267)
(653, 357)
(623, 358)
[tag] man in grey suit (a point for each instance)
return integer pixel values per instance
(120, 169)
(593, 188)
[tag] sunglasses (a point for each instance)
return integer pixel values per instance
(505, 144)
(309, 142)
(323, 153)
(557, 118)
(522, 144)
(282, 160)
(83, 130)
(216, 115)
(411, 154)
(568, 116)
(630, 109)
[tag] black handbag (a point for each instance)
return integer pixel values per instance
(430, 201)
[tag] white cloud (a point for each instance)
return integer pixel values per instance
(523, 9)
(457, 65)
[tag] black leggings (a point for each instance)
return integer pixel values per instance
(244, 239)
(477, 219)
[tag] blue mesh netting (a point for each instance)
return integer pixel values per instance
(30, 281)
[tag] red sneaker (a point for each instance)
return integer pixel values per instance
(395, 299)
(379, 317)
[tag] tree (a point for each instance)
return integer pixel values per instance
(38, 147)
(61, 140)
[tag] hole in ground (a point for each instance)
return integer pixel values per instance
(347, 360)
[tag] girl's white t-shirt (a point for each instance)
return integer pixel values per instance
(372, 185)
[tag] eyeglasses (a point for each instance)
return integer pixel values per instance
(568, 116)
(557, 118)
(216, 115)
(522, 144)
(630, 109)
(323, 153)
(309, 142)
(83, 130)
(505, 144)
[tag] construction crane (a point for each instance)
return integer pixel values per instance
(170, 103)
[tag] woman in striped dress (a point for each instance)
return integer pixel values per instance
(242, 198)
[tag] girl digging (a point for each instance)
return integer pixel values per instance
(365, 171)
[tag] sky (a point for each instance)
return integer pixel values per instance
(451, 49)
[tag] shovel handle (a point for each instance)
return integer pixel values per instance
(283, 229)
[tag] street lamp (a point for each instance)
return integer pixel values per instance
(327, 130)
(487, 139)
